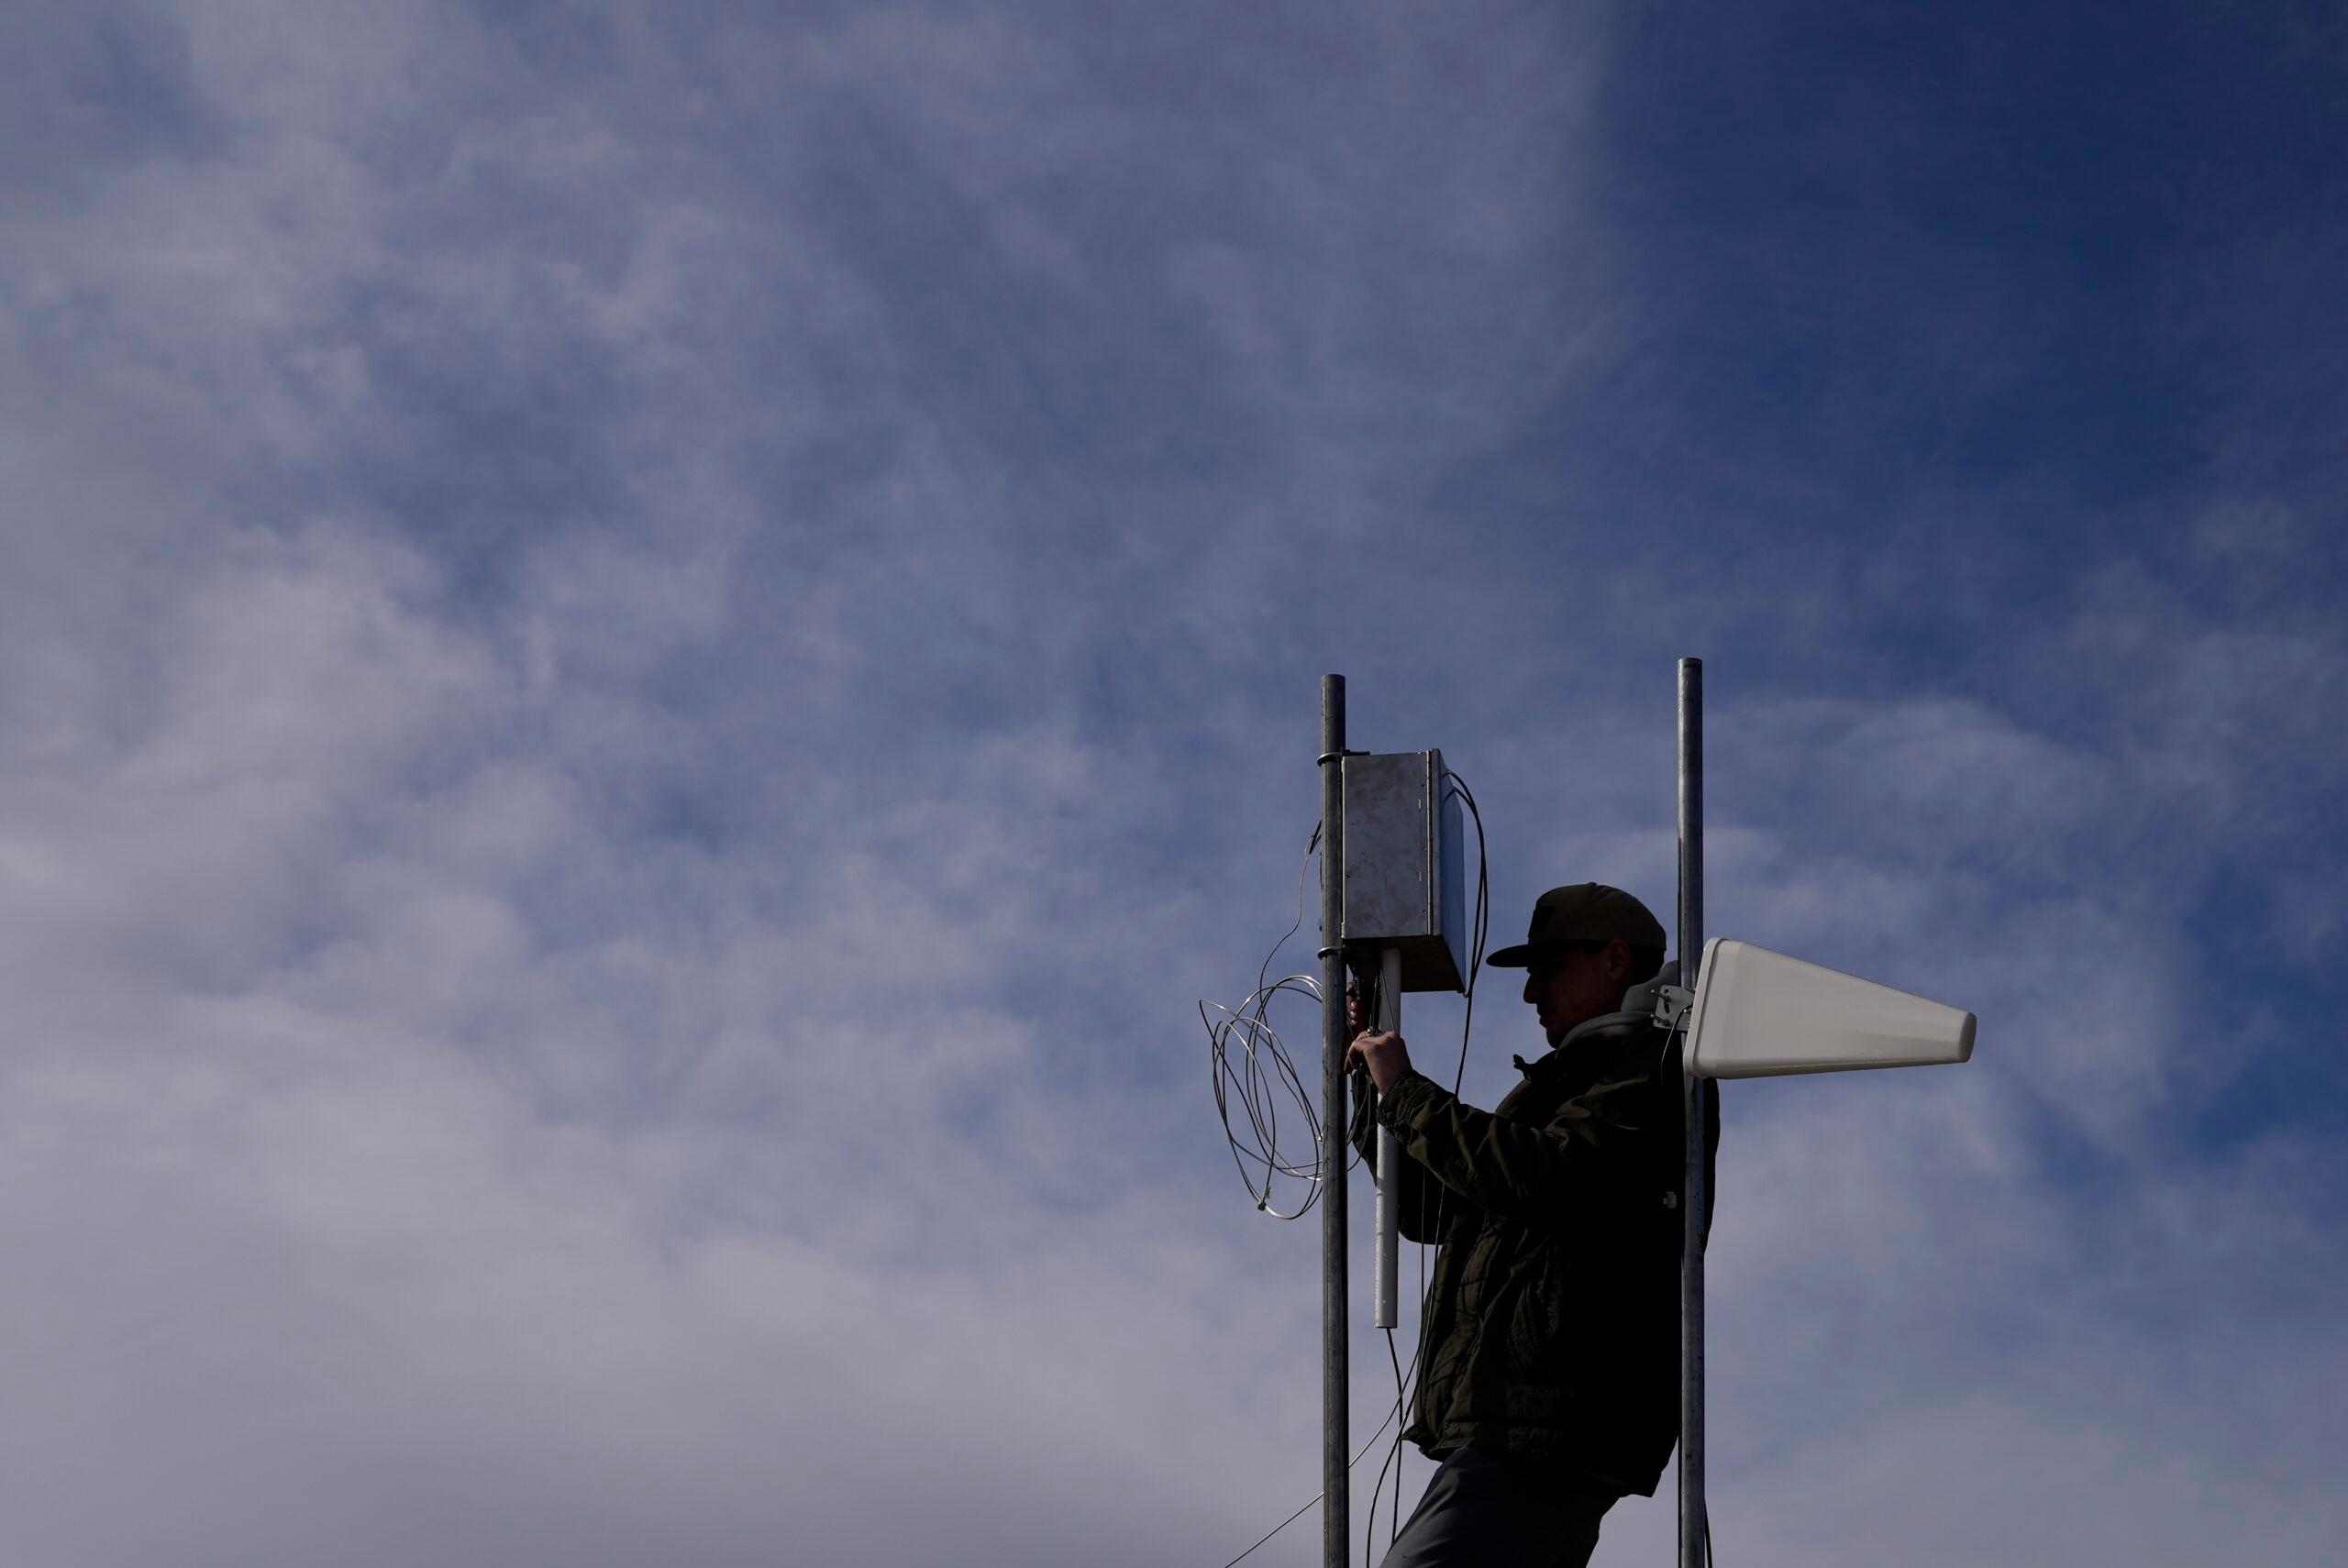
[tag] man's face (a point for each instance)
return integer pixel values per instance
(1568, 985)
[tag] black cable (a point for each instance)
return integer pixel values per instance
(1369, 1531)
(1267, 1534)
(1394, 1511)
(1265, 968)
(1479, 931)
(1394, 1462)
(1479, 928)
(1392, 1411)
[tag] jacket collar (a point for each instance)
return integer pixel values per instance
(1609, 1025)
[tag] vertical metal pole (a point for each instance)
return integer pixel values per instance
(1390, 1147)
(1335, 1531)
(1695, 1200)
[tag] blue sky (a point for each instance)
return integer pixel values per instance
(649, 653)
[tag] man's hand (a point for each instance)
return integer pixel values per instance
(1382, 1052)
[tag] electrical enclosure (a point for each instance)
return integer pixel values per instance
(1757, 1014)
(1404, 878)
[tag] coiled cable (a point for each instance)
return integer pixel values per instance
(1252, 1066)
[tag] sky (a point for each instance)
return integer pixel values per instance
(649, 654)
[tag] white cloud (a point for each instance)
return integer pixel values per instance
(385, 1288)
(637, 688)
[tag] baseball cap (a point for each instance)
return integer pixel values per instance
(1585, 912)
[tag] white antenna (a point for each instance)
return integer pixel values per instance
(1760, 1015)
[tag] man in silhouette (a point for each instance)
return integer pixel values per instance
(1549, 1352)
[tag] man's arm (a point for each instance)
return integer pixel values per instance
(1601, 1144)
(1419, 1203)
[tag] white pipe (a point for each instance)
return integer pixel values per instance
(1390, 1147)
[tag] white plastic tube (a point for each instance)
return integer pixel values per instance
(1390, 1147)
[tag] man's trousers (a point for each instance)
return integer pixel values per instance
(1488, 1512)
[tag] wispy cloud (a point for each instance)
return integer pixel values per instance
(646, 661)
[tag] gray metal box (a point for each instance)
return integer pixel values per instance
(1405, 880)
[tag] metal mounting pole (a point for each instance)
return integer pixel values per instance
(1695, 1200)
(1390, 1147)
(1335, 1533)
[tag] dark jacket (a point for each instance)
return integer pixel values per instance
(1550, 1327)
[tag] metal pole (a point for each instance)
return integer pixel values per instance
(1335, 1533)
(1695, 1200)
(1390, 1147)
